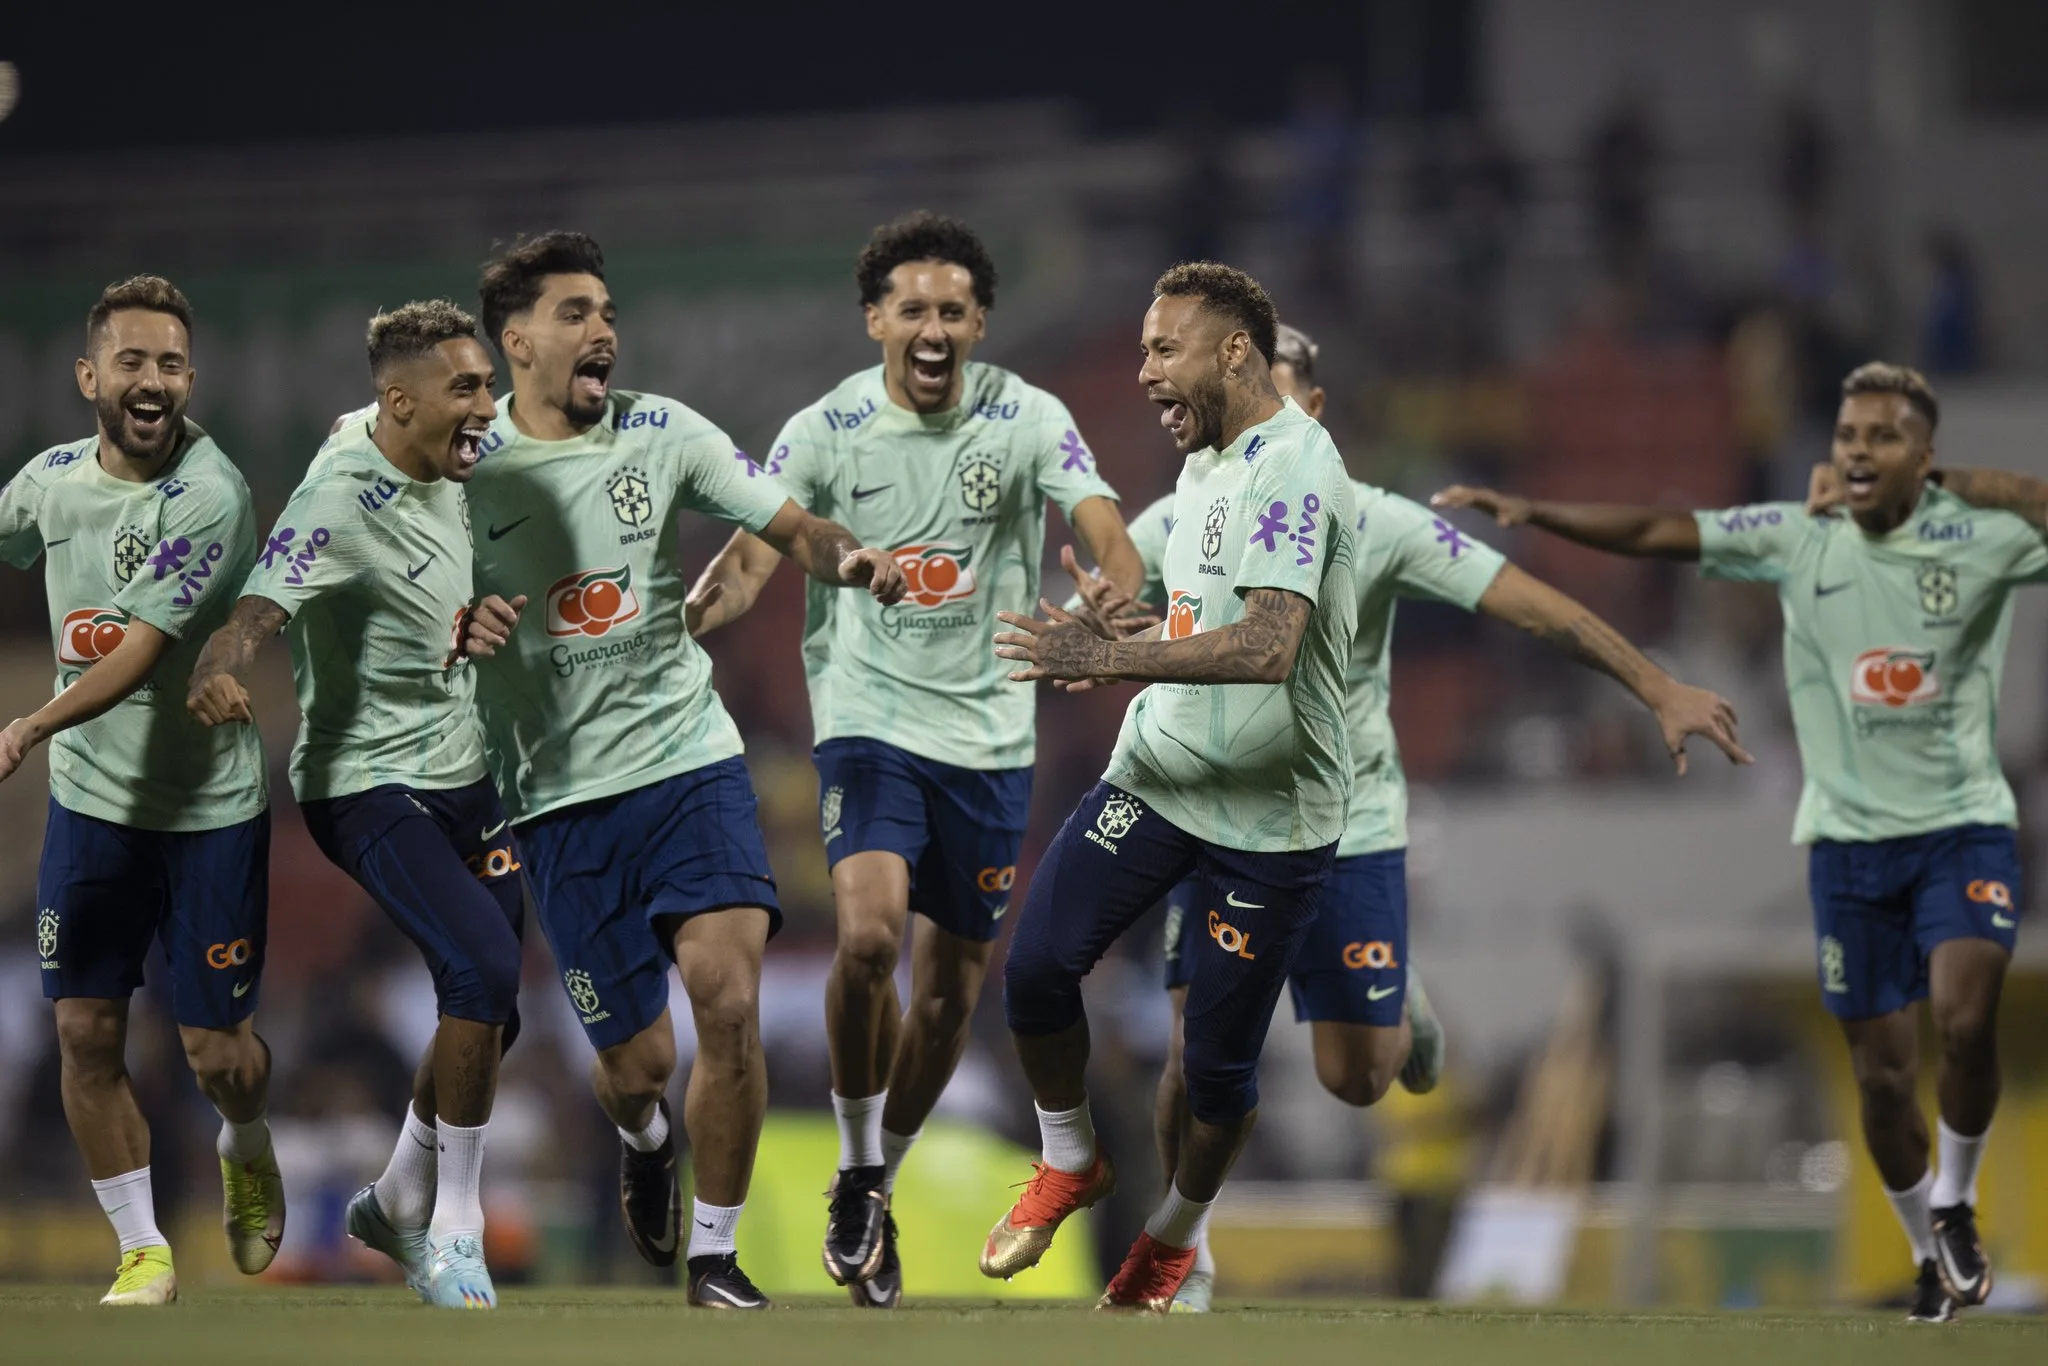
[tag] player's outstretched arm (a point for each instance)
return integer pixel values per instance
(831, 554)
(1099, 524)
(730, 583)
(97, 692)
(1257, 648)
(1656, 533)
(1681, 711)
(216, 695)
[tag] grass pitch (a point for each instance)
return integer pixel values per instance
(311, 1327)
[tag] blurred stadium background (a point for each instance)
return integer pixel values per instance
(1618, 249)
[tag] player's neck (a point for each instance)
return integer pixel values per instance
(127, 468)
(389, 439)
(1244, 409)
(1885, 520)
(539, 420)
(900, 396)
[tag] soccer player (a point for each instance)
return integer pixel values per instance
(1896, 620)
(157, 828)
(620, 768)
(1352, 978)
(924, 755)
(369, 565)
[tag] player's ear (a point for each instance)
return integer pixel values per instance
(514, 345)
(88, 379)
(1316, 399)
(980, 322)
(873, 312)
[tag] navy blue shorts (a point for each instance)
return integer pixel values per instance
(1351, 969)
(444, 866)
(614, 877)
(1112, 860)
(1879, 909)
(959, 829)
(104, 891)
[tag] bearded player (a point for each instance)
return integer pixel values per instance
(369, 570)
(1896, 621)
(1352, 979)
(924, 754)
(620, 768)
(158, 830)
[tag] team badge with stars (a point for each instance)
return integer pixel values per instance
(1938, 594)
(46, 935)
(981, 484)
(632, 500)
(1212, 528)
(131, 552)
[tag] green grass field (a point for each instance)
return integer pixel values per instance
(309, 1327)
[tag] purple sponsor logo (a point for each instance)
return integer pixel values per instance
(1749, 519)
(1447, 536)
(1076, 453)
(772, 465)
(296, 562)
(193, 581)
(1272, 527)
(170, 557)
(1305, 533)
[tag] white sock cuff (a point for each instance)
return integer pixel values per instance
(130, 1204)
(1067, 1138)
(420, 1131)
(649, 1138)
(242, 1142)
(1180, 1222)
(713, 1228)
(860, 1128)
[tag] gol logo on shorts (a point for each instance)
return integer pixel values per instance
(1373, 953)
(996, 879)
(228, 955)
(592, 601)
(1230, 937)
(494, 864)
(1988, 893)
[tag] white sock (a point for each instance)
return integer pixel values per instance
(240, 1143)
(1180, 1222)
(458, 1199)
(712, 1228)
(1916, 1216)
(1955, 1179)
(860, 1129)
(405, 1192)
(1066, 1138)
(895, 1147)
(131, 1208)
(1205, 1260)
(651, 1137)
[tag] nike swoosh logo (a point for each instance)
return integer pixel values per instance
(705, 1223)
(242, 989)
(52, 545)
(414, 574)
(667, 1241)
(496, 531)
(1379, 993)
(1821, 592)
(1230, 899)
(2003, 922)
(493, 830)
(859, 494)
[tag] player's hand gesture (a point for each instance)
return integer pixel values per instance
(698, 605)
(878, 572)
(1504, 508)
(1684, 711)
(217, 699)
(1825, 491)
(1106, 609)
(1059, 647)
(490, 625)
(14, 746)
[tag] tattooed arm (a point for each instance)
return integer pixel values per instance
(216, 695)
(1536, 607)
(1258, 648)
(825, 550)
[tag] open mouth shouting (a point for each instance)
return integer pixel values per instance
(1177, 418)
(468, 445)
(931, 369)
(591, 380)
(149, 415)
(1860, 481)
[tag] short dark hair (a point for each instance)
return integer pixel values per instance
(151, 292)
(1882, 377)
(1292, 346)
(1228, 291)
(412, 331)
(924, 236)
(514, 280)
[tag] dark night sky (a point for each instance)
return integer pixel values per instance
(106, 77)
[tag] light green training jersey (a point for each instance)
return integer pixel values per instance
(374, 567)
(168, 552)
(1893, 649)
(1404, 551)
(602, 690)
(1261, 767)
(959, 497)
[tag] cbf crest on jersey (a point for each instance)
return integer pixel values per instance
(131, 552)
(981, 483)
(632, 499)
(1939, 596)
(1212, 528)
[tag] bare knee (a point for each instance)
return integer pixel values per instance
(1886, 1084)
(870, 945)
(90, 1039)
(1967, 1028)
(1355, 1081)
(637, 1071)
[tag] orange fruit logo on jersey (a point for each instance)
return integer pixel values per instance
(936, 573)
(1183, 615)
(1894, 676)
(90, 634)
(592, 601)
